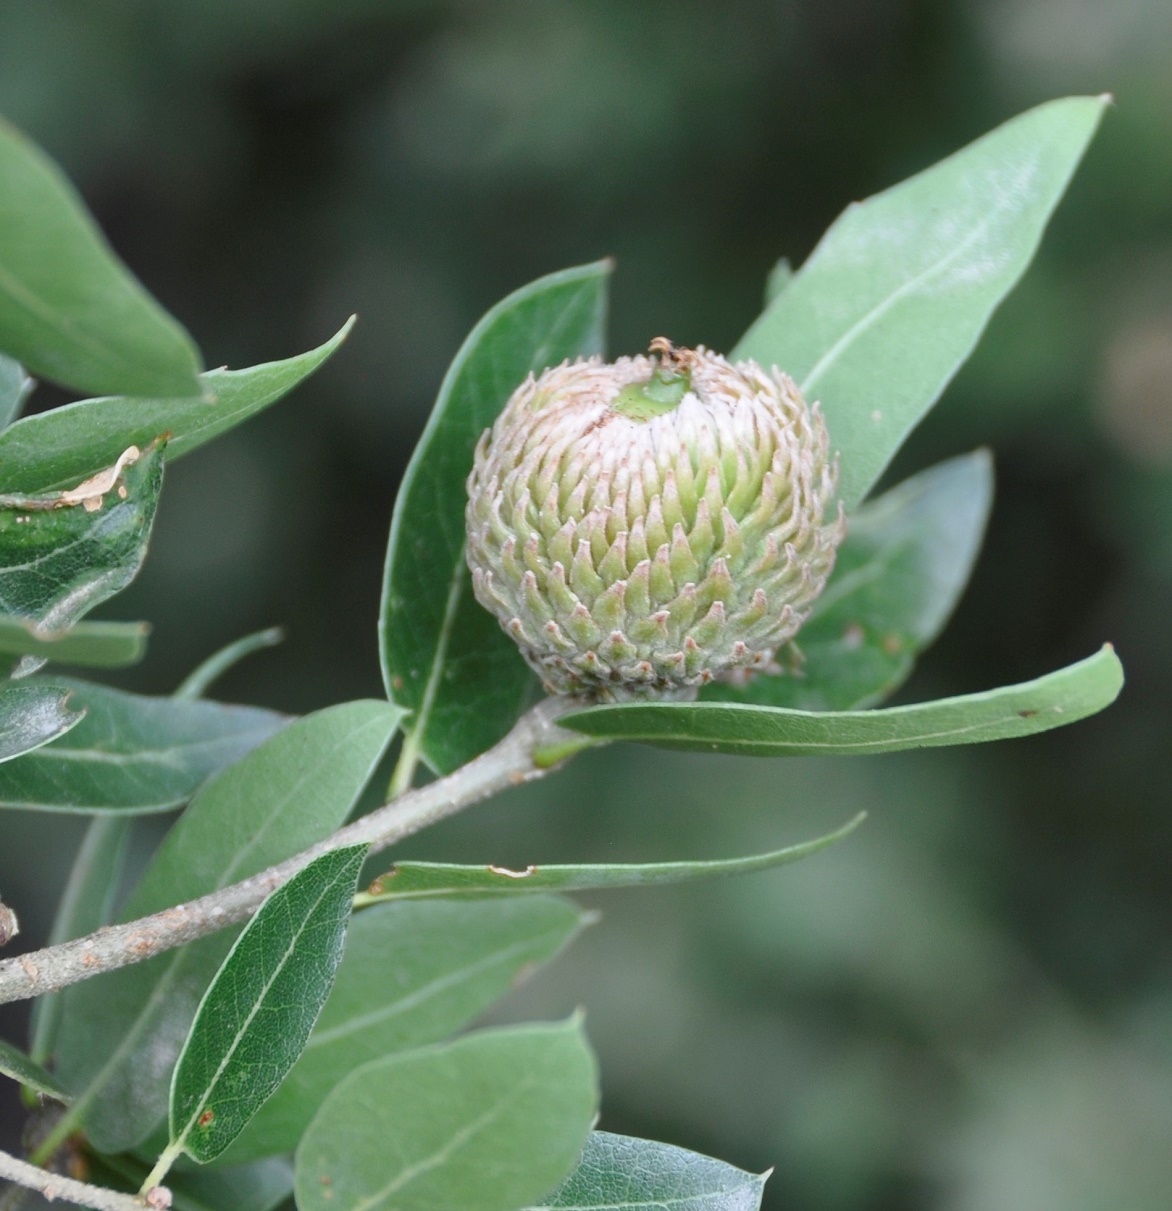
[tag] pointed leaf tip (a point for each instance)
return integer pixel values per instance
(55, 449)
(439, 880)
(922, 265)
(619, 1173)
(1052, 701)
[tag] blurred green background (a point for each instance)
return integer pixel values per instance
(968, 1005)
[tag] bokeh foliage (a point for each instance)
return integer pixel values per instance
(966, 1006)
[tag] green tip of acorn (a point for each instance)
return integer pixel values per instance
(645, 526)
(663, 390)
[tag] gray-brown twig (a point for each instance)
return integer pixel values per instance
(53, 1186)
(518, 758)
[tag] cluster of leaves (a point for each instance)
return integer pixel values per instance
(326, 1035)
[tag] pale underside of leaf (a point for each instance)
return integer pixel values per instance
(132, 754)
(31, 717)
(487, 1122)
(69, 309)
(894, 298)
(618, 1173)
(424, 880)
(1052, 701)
(413, 973)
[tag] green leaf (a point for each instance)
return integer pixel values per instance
(906, 560)
(86, 905)
(121, 1034)
(130, 754)
(17, 1065)
(63, 553)
(1052, 701)
(57, 448)
(412, 974)
(443, 656)
(15, 386)
(262, 1186)
(425, 880)
(109, 645)
(488, 1123)
(256, 1015)
(69, 309)
(618, 1173)
(896, 295)
(31, 716)
(196, 683)
(778, 279)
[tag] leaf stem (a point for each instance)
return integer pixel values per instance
(52, 1186)
(167, 1158)
(510, 763)
(405, 767)
(413, 740)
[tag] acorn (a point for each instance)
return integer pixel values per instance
(644, 526)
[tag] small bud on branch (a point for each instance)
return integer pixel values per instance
(9, 925)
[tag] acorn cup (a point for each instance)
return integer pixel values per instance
(644, 526)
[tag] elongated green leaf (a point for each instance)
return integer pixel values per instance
(426, 880)
(895, 297)
(17, 1065)
(618, 1173)
(130, 754)
(121, 1034)
(488, 1123)
(256, 1015)
(443, 657)
(85, 906)
(57, 563)
(56, 449)
(262, 1186)
(14, 388)
(906, 559)
(1052, 701)
(412, 974)
(69, 309)
(109, 645)
(32, 716)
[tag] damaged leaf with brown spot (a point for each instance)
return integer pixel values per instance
(62, 553)
(443, 880)
(256, 1016)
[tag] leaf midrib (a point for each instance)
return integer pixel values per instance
(422, 994)
(968, 729)
(876, 313)
(180, 1140)
(47, 314)
(441, 1155)
(158, 993)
